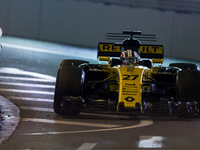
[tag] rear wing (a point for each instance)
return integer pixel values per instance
(146, 51)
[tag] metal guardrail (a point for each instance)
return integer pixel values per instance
(181, 6)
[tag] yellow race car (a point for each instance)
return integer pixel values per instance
(133, 81)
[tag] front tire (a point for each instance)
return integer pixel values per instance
(69, 82)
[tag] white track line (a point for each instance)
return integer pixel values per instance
(36, 108)
(87, 146)
(30, 99)
(28, 85)
(144, 121)
(26, 79)
(150, 142)
(27, 91)
(37, 120)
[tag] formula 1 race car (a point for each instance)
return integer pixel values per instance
(132, 82)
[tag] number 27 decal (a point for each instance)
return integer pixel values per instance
(129, 77)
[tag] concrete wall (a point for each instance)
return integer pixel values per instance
(84, 23)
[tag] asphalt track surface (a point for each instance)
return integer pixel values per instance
(27, 78)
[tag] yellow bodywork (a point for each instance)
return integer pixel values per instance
(130, 85)
(104, 58)
(130, 77)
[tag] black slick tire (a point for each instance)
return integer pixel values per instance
(68, 83)
(184, 66)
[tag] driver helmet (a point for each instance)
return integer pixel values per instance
(129, 57)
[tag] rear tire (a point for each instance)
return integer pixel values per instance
(187, 92)
(72, 62)
(188, 85)
(69, 82)
(184, 66)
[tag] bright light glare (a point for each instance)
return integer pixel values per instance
(1, 32)
(22, 72)
(65, 51)
(150, 142)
